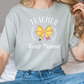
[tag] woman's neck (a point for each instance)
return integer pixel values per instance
(42, 4)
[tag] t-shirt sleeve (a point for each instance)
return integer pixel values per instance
(73, 41)
(7, 40)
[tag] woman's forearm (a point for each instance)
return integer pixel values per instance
(3, 60)
(80, 51)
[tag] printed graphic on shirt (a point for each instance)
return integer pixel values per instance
(41, 33)
(43, 23)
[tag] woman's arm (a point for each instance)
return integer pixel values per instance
(3, 60)
(8, 39)
(78, 51)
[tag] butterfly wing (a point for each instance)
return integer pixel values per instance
(48, 31)
(39, 31)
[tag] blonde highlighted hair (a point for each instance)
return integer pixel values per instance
(78, 15)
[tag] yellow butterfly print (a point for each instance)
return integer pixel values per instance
(47, 32)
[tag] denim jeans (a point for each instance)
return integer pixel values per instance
(49, 76)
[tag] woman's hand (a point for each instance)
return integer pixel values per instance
(80, 6)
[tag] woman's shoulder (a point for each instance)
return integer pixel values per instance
(15, 8)
(62, 6)
(13, 11)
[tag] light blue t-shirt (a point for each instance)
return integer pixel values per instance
(39, 38)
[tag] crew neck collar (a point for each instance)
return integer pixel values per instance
(46, 9)
(42, 10)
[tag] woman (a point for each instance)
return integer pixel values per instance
(40, 32)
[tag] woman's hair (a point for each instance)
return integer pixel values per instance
(77, 15)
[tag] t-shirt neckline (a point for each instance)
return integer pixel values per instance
(46, 9)
(42, 10)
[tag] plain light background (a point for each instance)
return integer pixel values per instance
(5, 6)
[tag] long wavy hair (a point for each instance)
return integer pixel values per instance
(77, 15)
